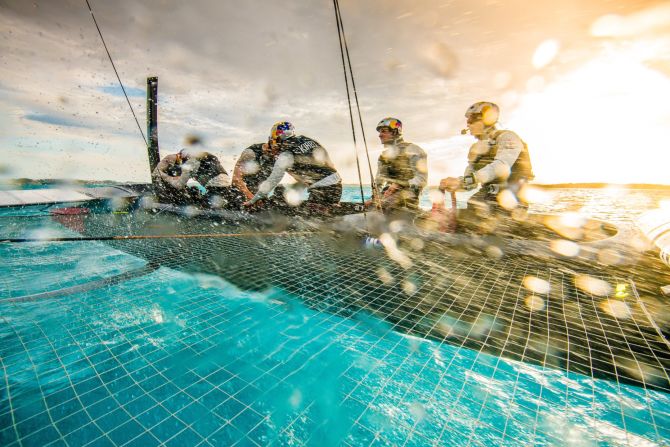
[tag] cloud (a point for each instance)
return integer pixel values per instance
(228, 73)
(77, 162)
(447, 157)
(115, 90)
(52, 119)
(647, 21)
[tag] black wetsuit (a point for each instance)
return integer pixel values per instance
(311, 161)
(172, 174)
(308, 162)
(265, 163)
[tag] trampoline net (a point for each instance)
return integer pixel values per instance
(315, 337)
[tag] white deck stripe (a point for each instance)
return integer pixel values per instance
(41, 196)
(64, 195)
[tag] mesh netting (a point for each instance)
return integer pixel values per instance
(313, 338)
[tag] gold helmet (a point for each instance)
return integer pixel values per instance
(486, 111)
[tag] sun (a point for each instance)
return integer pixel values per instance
(602, 122)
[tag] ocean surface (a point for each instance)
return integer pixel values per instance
(617, 204)
(171, 358)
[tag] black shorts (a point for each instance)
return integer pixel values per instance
(328, 195)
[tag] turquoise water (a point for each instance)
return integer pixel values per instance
(610, 204)
(170, 358)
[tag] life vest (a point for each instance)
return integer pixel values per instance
(265, 163)
(396, 165)
(306, 161)
(520, 170)
(209, 167)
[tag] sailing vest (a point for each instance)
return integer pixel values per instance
(209, 167)
(265, 163)
(310, 159)
(397, 167)
(521, 169)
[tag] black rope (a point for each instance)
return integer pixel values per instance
(358, 108)
(153, 236)
(340, 32)
(117, 73)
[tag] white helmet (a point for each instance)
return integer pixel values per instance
(488, 112)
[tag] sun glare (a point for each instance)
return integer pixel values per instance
(599, 122)
(545, 53)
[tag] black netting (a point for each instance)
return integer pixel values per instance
(198, 331)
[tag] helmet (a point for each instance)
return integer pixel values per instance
(484, 110)
(188, 152)
(391, 123)
(181, 155)
(281, 131)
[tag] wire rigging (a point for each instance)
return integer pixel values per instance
(116, 72)
(340, 32)
(358, 108)
(344, 49)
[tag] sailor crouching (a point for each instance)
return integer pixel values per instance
(499, 161)
(308, 163)
(252, 168)
(191, 177)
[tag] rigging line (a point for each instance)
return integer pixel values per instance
(351, 114)
(154, 236)
(117, 73)
(358, 108)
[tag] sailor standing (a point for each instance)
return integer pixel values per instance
(402, 168)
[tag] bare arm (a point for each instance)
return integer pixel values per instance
(161, 171)
(247, 156)
(282, 163)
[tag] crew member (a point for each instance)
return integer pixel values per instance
(306, 161)
(499, 161)
(191, 177)
(252, 168)
(402, 168)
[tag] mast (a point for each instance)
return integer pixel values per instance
(152, 122)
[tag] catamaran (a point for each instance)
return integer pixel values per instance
(563, 293)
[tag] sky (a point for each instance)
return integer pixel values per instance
(586, 83)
